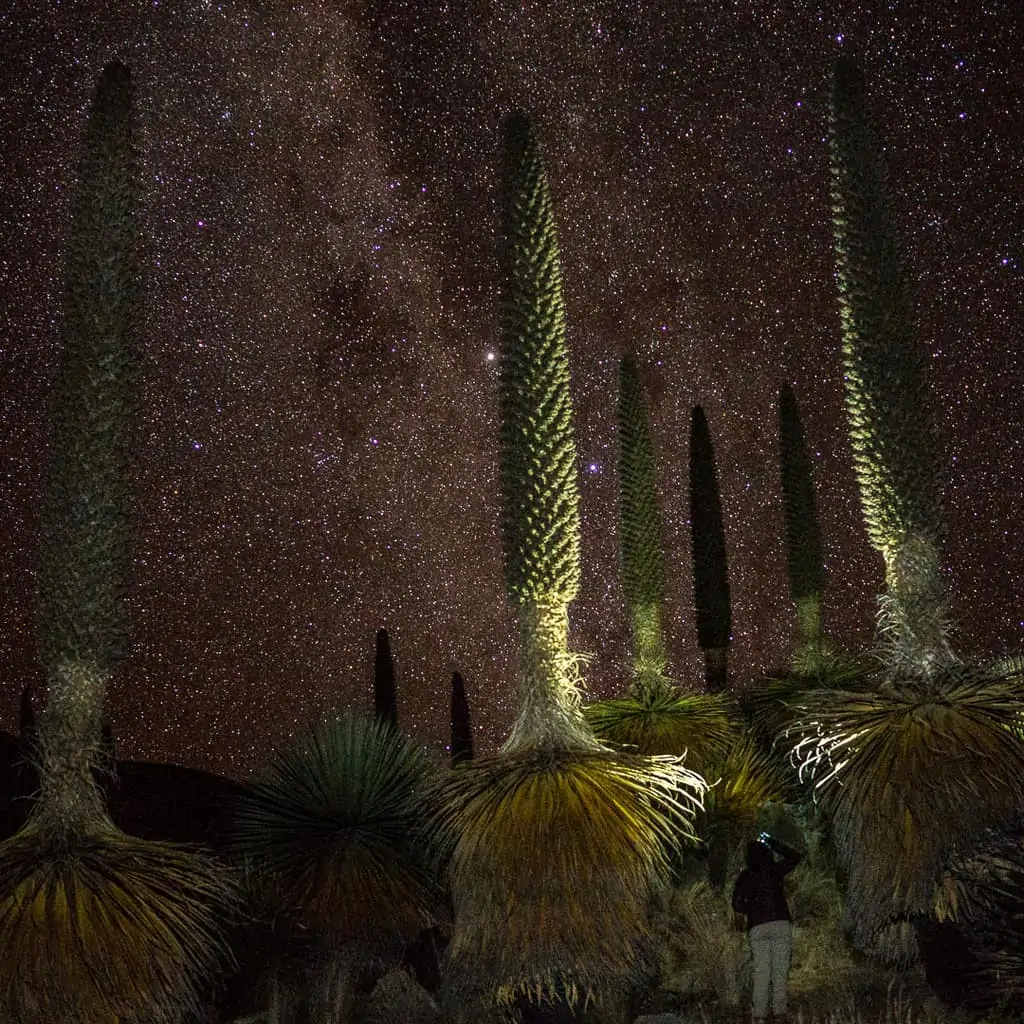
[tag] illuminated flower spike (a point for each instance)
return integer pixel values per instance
(641, 534)
(553, 846)
(540, 523)
(887, 401)
(910, 778)
(655, 717)
(97, 926)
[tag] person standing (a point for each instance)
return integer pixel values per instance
(760, 896)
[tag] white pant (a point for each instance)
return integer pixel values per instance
(770, 945)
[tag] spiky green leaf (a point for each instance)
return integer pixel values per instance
(102, 927)
(909, 776)
(553, 856)
(701, 726)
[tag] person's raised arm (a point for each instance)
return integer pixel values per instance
(789, 857)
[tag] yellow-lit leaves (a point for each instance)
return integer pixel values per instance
(909, 774)
(553, 856)
(107, 927)
(698, 725)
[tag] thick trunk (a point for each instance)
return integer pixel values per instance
(70, 733)
(550, 713)
(650, 662)
(716, 669)
(913, 618)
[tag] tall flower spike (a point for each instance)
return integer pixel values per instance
(804, 562)
(539, 483)
(710, 569)
(86, 547)
(887, 401)
(641, 533)
(96, 925)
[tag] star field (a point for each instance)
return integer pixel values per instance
(317, 434)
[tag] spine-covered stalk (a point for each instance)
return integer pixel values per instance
(461, 748)
(385, 697)
(886, 396)
(804, 562)
(641, 533)
(540, 491)
(85, 549)
(712, 601)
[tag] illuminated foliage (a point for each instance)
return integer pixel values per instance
(699, 725)
(100, 927)
(554, 845)
(553, 857)
(910, 776)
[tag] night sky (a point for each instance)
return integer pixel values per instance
(317, 442)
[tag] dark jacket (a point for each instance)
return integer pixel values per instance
(759, 891)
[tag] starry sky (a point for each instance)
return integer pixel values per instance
(317, 431)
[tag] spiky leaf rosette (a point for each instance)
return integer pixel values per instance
(710, 570)
(909, 776)
(552, 861)
(700, 726)
(641, 536)
(337, 825)
(539, 485)
(106, 927)
(772, 707)
(887, 402)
